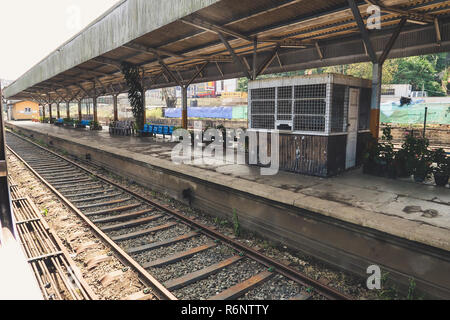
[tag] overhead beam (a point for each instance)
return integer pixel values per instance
(209, 26)
(437, 27)
(411, 15)
(110, 62)
(144, 49)
(236, 58)
(267, 62)
(363, 30)
(168, 71)
(199, 71)
(392, 40)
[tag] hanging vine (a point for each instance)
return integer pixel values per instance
(133, 76)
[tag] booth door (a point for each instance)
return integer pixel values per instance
(352, 139)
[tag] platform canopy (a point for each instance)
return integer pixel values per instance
(178, 42)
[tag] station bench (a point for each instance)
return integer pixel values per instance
(153, 130)
(83, 124)
(123, 128)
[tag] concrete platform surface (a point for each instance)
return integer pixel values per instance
(367, 201)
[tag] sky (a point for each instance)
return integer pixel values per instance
(31, 29)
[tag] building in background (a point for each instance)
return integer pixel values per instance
(23, 110)
(396, 90)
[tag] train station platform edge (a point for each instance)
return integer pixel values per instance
(370, 202)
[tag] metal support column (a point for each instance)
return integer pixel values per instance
(68, 109)
(184, 118)
(43, 111)
(80, 112)
(144, 112)
(58, 111)
(50, 113)
(116, 111)
(94, 99)
(376, 100)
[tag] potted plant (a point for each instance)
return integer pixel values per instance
(372, 158)
(441, 171)
(387, 154)
(421, 170)
(401, 158)
(96, 126)
(421, 160)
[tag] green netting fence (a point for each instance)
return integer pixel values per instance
(415, 114)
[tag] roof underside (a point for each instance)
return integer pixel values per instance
(184, 44)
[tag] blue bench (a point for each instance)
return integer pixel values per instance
(157, 130)
(85, 122)
(59, 122)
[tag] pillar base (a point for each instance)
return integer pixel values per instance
(375, 123)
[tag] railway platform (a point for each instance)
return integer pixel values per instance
(351, 221)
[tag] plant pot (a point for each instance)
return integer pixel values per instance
(441, 179)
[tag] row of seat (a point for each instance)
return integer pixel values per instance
(124, 128)
(83, 122)
(158, 129)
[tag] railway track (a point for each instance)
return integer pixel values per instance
(178, 257)
(57, 275)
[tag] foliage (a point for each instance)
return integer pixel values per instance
(420, 72)
(380, 156)
(439, 157)
(236, 224)
(429, 71)
(413, 159)
(156, 113)
(95, 126)
(364, 70)
(418, 158)
(133, 77)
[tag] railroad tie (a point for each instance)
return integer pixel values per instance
(122, 217)
(140, 296)
(178, 256)
(160, 244)
(109, 278)
(142, 232)
(85, 247)
(193, 277)
(241, 288)
(132, 223)
(108, 203)
(94, 262)
(112, 210)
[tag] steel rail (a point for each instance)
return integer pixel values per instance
(161, 292)
(278, 267)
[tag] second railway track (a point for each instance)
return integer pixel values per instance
(188, 259)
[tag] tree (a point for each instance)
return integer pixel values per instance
(420, 72)
(364, 70)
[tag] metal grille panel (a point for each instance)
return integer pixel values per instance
(263, 107)
(339, 108)
(263, 94)
(311, 91)
(310, 107)
(263, 122)
(309, 123)
(285, 93)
